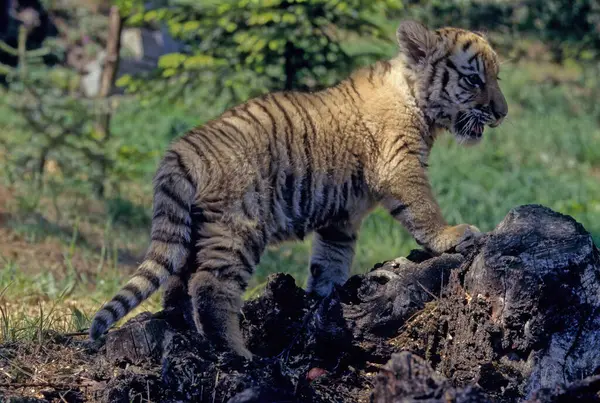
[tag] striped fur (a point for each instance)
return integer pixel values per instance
(287, 164)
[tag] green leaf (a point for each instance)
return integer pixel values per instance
(171, 60)
(169, 72)
(151, 15)
(123, 81)
(191, 26)
(197, 61)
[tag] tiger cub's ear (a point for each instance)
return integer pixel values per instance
(416, 41)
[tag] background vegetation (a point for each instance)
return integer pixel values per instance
(65, 246)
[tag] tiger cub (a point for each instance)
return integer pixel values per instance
(286, 164)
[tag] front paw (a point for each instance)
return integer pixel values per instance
(458, 238)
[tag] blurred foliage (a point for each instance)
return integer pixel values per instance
(248, 47)
(237, 49)
(58, 141)
(570, 28)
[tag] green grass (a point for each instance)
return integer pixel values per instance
(546, 152)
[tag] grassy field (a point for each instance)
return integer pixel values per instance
(62, 253)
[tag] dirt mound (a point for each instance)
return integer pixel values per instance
(516, 318)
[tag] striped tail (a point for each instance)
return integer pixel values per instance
(174, 193)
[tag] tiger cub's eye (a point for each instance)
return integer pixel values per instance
(474, 80)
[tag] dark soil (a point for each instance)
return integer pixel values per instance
(516, 318)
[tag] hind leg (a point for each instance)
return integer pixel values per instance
(331, 257)
(177, 299)
(226, 258)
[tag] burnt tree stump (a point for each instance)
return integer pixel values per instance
(527, 313)
(516, 318)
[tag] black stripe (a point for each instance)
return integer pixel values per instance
(172, 218)
(311, 122)
(346, 94)
(115, 315)
(168, 237)
(357, 179)
(254, 246)
(264, 236)
(288, 194)
(137, 293)
(387, 66)
(464, 88)
(274, 191)
(401, 147)
(159, 260)
(473, 58)
(212, 198)
(272, 136)
(445, 78)
(150, 276)
(347, 91)
(253, 117)
(334, 204)
(398, 210)
(306, 192)
(371, 73)
(103, 323)
(123, 301)
(353, 86)
(228, 251)
(230, 273)
(224, 133)
(174, 197)
(346, 193)
(211, 149)
(236, 114)
(270, 115)
(184, 172)
(197, 215)
(434, 70)
(242, 257)
(467, 45)
(235, 129)
(289, 130)
(451, 65)
(170, 175)
(282, 109)
(333, 116)
(246, 210)
(197, 149)
(242, 137)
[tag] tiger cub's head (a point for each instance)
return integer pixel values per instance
(455, 73)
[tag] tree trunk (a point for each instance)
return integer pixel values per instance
(111, 65)
(289, 66)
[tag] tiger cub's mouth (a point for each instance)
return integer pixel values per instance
(468, 126)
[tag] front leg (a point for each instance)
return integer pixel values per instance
(331, 258)
(413, 204)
